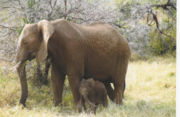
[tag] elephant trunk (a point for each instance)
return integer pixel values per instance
(24, 88)
(20, 67)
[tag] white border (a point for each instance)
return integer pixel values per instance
(178, 60)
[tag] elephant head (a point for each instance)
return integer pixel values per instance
(32, 44)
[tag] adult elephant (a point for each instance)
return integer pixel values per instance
(80, 51)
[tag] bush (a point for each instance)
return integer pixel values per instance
(163, 44)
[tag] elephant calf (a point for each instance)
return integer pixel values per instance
(93, 93)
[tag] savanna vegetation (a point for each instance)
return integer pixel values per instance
(150, 92)
(148, 25)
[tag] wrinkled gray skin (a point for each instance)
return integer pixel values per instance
(80, 51)
(22, 75)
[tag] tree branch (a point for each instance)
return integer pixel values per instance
(165, 6)
(119, 26)
(10, 28)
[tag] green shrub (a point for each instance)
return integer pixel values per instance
(161, 44)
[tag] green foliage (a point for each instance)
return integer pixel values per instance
(25, 20)
(165, 42)
(123, 3)
(35, 74)
(160, 44)
(19, 30)
(31, 3)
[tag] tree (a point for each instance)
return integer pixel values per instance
(141, 18)
(135, 19)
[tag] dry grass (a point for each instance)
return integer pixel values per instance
(150, 92)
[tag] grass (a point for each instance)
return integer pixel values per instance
(150, 92)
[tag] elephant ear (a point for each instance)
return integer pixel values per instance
(46, 31)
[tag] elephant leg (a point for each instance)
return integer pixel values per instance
(119, 80)
(110, 90)
(93, 108)
(118, 92)
(92, 105)
(81, 103)
(57, 80)
(74, 81)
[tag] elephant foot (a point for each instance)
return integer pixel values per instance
(118, 99)
(79, 107)
(57, 103)
(23, 102)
